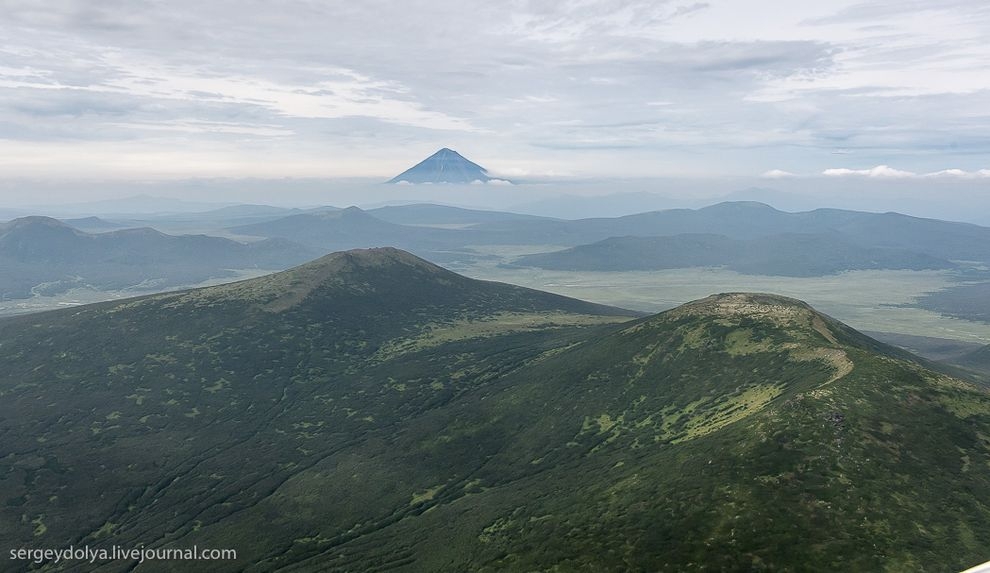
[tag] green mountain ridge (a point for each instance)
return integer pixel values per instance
(371, 411)
(789, 254)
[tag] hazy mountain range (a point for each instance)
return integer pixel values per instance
(40, 256)
(885, 237)
(46, 256)
(370, 410)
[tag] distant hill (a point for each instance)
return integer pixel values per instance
(238, 214)
(749, 220)
(371, 411)
(444, 166)
(937, 349)
(966, 301)
(352, 228)
(427, 214)
(608, 205)
(858, 240)
(136, 204)
(43, 256)
(91, 224)
(792, 254)
(977, 360)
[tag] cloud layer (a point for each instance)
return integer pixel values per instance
(151, 89)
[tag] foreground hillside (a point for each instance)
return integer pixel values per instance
(370, 411)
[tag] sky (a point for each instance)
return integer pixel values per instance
(138, 91)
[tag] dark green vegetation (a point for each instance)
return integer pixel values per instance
(42, 256)
(968, 301)
(370, 411)
(792, 254)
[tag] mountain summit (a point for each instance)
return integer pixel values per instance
(444, 166)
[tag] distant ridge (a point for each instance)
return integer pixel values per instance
(41, 256)
(445, 166)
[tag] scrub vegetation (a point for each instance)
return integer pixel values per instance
(370, 411)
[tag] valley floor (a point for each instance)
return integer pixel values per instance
(884, 301)
(879, 301)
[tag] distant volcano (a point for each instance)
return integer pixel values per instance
(445, 166)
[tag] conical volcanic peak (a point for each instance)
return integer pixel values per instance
(444, 166)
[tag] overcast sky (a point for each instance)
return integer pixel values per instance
(146, 90)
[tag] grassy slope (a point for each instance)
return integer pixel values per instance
(375, 412)
(683, 444)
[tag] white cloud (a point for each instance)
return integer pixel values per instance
(583, 87)
(777, 174)
(886, 172)
(960, 174)
(879, 172)
(330, 93)
(195, 126)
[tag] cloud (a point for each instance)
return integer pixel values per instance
(195, 126)
(777, 174)
(886, 172)
(878, 172)
(333, 93)
(959, 174)
(610, 87)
